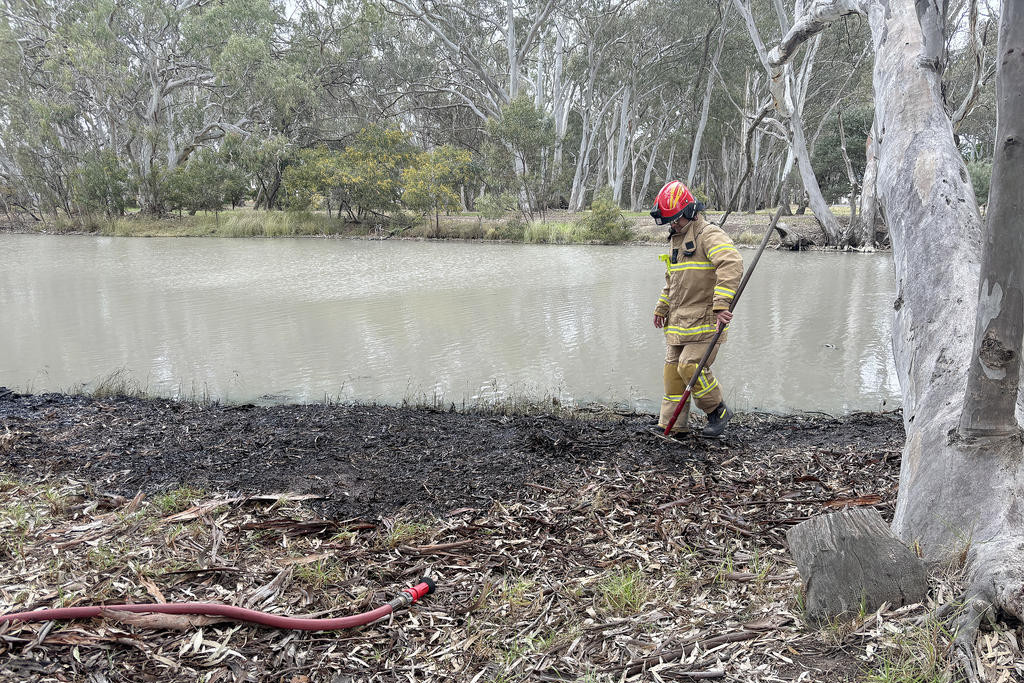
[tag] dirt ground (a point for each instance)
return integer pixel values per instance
(566, 546)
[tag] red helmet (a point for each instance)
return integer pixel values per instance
(674, 200)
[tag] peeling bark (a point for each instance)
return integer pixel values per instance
(994, 376)
(956, 490)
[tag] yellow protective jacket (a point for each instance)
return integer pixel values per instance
(699, 284)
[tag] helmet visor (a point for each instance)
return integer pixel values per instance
(664, 220)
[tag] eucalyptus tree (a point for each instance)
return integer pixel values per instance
(791, 87)
(957, 327)
(482, 47)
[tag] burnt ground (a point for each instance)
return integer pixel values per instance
(372, 460)
(567, 545)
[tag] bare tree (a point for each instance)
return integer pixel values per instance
(790, 92)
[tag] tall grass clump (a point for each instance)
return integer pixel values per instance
(118, 383)
(554, 233)
(271, 224)
(749, 237)
(512, 230)
(624, 592)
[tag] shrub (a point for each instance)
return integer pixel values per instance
(981, 178)
(494, 206)
(701, 196)
(605, 223)
(103, 185)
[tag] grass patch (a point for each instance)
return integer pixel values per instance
(624, 592)
(402, 533)
(118, 383)
(555, 233)
(177, 500)
(918, 655)
(320, 574)
(749, 237)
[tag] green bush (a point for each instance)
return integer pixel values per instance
(103, 185)
(701, 196)
(494, 206)
(513, 230)
(605, 223)
(981, 179)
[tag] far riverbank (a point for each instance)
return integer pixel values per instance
(554, 227)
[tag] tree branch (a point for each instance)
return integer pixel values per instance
(820, 14)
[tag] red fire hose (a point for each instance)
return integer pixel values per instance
(407, 597)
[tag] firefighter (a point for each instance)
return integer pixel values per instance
(701, 275)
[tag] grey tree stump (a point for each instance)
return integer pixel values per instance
(850, 561)
(791, 239)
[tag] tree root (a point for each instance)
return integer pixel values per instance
(995, 588)
(964, 623)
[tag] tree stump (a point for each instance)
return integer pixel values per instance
(850, 563)
(790, 239)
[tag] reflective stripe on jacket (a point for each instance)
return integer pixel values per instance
(699, 284)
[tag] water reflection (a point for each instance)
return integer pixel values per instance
(305, 319)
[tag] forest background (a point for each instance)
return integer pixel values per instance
(334, 115)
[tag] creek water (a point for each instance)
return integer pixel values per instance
(304, 319)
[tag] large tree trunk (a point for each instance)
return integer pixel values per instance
(956, 489)
(850, 177)
(829, 224)
(790, 94)
(994, 376)
(559, 105)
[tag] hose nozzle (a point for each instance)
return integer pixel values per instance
(408, 596)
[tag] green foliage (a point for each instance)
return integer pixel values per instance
(520, 136)
(430, 184)
(370, 170)
(379, 173)
(606, 222)
(309, 182)
(235, 184)
(829, 167)
(202, 184)
(264, 159)
(700, 195)
(493, 206)
(981, 179)
(103, 185)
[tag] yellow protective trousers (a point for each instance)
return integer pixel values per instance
(680, 364)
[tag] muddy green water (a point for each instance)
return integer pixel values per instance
(305, 319)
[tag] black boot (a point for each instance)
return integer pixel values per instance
(717, 419)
